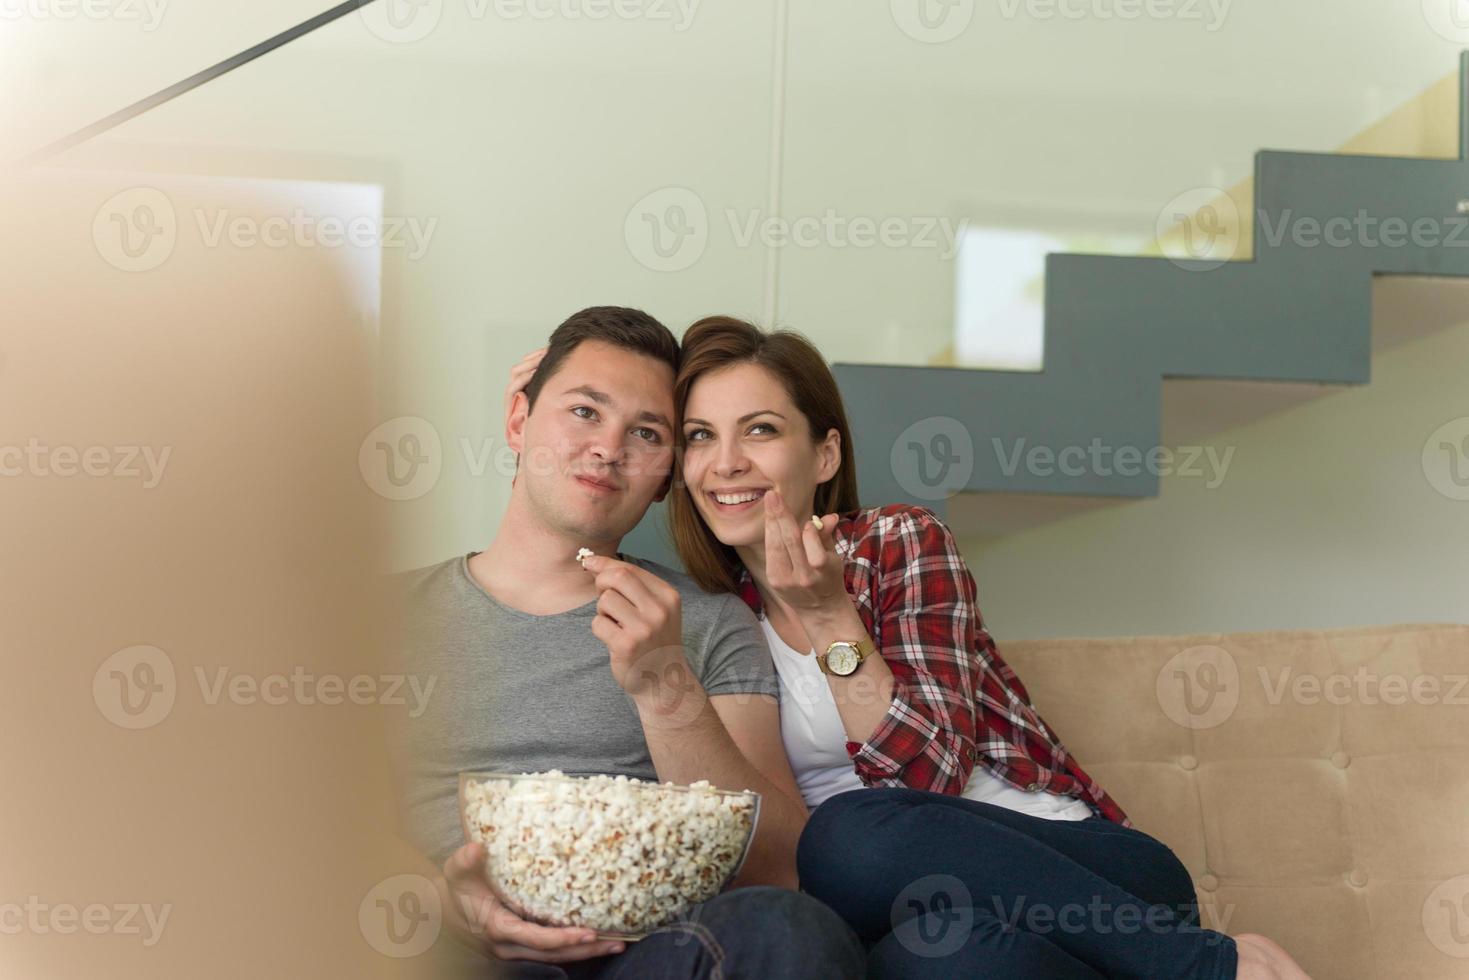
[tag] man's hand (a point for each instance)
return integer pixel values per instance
(485, 923)
(640, 618)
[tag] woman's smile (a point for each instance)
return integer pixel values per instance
(735, 500)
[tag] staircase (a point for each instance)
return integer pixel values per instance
(1117, 327)
(1125, 336)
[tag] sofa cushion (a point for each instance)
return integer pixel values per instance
(1315, 783)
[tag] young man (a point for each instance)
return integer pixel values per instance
(621, 667)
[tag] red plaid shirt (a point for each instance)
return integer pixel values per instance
(956, 702)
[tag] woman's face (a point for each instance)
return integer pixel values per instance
(743, 436)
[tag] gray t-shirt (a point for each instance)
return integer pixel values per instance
(517, 692)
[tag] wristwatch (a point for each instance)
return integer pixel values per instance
(842, 658)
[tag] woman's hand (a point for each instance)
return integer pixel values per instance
(520, 376)
(805, 572)
(802, 566)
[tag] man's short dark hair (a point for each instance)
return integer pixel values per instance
(619, 326)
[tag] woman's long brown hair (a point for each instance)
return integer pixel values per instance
(717, 342)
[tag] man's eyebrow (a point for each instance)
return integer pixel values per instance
(602, 398)
(742, 419)
(657, 418)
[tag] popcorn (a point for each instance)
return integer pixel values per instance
(608, 853)
(816, 522)
(582, 554)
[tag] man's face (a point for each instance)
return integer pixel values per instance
(597, 449)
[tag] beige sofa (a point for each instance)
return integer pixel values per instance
(1315, 783)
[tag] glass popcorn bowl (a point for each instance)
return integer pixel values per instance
(617, 855)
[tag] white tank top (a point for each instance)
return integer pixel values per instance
(816, 743)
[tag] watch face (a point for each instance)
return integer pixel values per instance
(842, 659)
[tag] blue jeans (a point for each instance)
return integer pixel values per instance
(747, 934)
(939, 886)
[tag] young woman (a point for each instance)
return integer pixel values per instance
(950, 827)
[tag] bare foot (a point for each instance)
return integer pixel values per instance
(1261, 959)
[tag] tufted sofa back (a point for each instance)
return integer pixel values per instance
(1315, 783)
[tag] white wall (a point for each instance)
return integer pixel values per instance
(1326, 517)
(527, 143)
